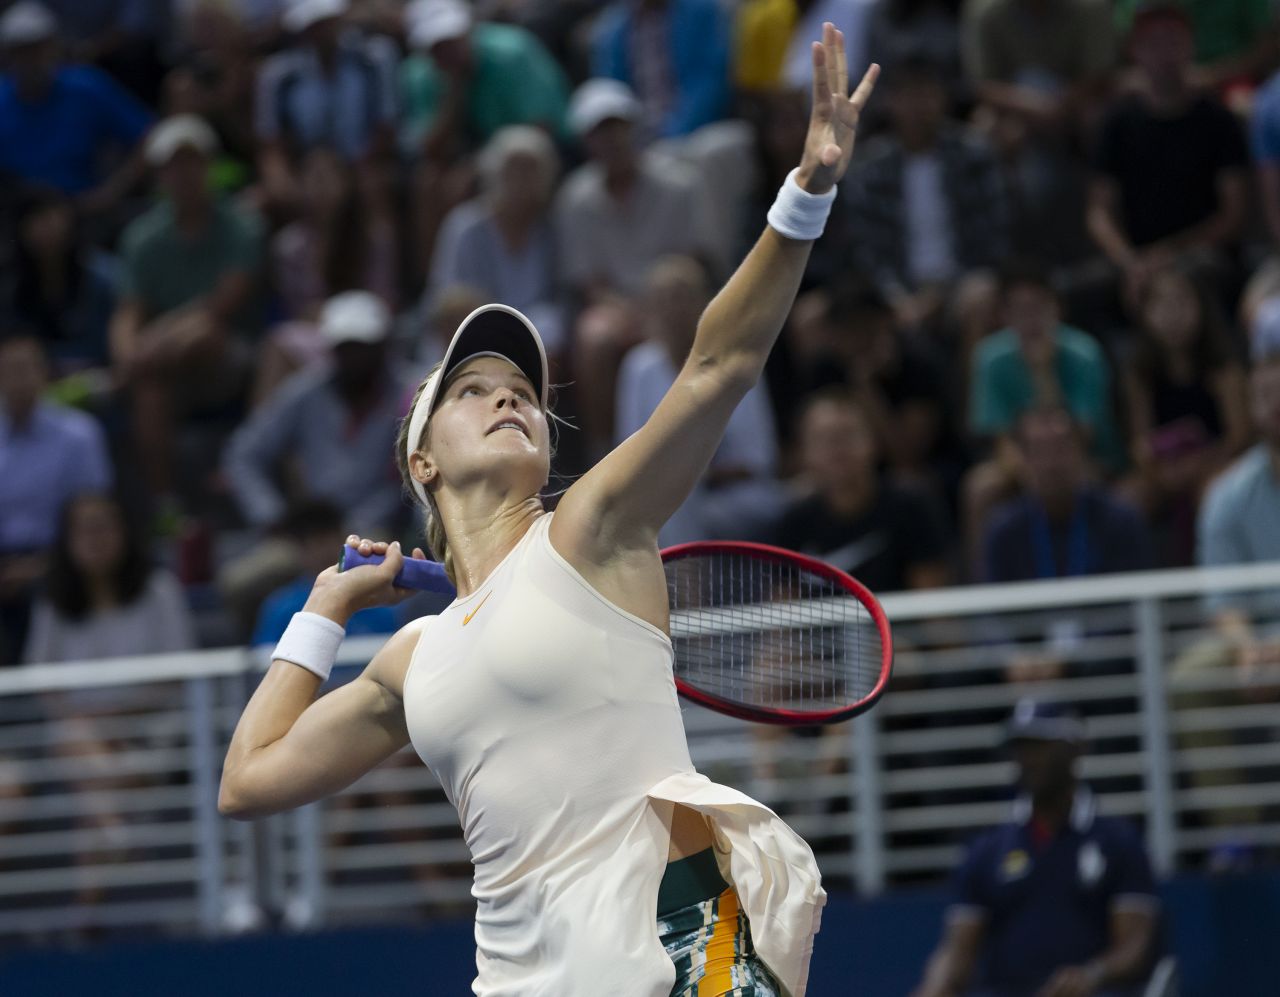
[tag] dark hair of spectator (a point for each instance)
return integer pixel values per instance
(855, 300)
(1211, 351)
(902, 11)
(310, 517)
(914, 68)
(830, 394)
(29, 301)
(1025, 273)
(66, 588)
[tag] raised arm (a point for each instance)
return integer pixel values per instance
(626, 498)
(290, 748)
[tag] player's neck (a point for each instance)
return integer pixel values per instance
(482, 534)
(1054, 810)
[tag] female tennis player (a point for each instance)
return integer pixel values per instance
(542, 697)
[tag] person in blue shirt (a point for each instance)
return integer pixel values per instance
(1059, 901)
(59, 121)
(316, 527)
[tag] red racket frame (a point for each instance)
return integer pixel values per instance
(781, 717)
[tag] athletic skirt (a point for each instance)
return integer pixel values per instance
(707, 935)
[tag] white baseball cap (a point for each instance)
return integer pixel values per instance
(354, 317)
(301, 14)
(179, 131)
(489, 331)
(27, 22)
(432, 21)
(599, 100)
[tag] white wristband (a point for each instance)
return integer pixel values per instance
(311, 641)
(796, 213)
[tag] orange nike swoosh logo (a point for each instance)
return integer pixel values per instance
(467, 619)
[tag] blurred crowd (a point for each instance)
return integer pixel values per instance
(1040, 337)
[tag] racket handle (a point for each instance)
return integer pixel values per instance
(428, 576)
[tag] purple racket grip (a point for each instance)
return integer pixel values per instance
(428, 576)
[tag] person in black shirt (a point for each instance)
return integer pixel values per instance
(887, 536)
(1170, 166)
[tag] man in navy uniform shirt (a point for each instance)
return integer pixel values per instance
(1058, 902)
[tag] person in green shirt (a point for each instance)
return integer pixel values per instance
(464, 81)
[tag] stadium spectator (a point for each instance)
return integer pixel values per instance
(60, 121)
(123, 37)
(902, 30)
(502, 242)
(673, 54)
(1059, 901)
(333, 85)
(328, 427)
(465, 81)
(1235, 40)
(1187, 406)
(887, 536)
(47, 455)
(1042, 63)
(103, 596)
(899, 383)
(738, 493)
(615, 216)
(316, 528)
(340, 243)
(1035, 360)
(59, 287)
(1170, 164)
(930, 210)
(1064, 525)
(178, 336)
(772, 39)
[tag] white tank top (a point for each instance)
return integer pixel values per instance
(550, 717)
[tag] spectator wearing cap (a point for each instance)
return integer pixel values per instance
(59, 122)
(324, 432)
(501, 243)
(465, 81)
(930, 208)
(615, 216)
(1058, 902)
(48, 454)
(179, 336)
(1170, 180)
(332, 86)
(673, 54)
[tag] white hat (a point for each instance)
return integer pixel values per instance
(599, 100)
(354, 317)
(489, 331)
(27, 22)
(176, 132)
(301, 14)
(432, 21)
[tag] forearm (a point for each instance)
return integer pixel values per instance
(743, 321)
(1109, 236)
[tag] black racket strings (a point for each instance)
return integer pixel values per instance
(766, 632)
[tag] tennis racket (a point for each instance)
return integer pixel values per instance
(760, 633)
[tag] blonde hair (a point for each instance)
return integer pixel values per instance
(432, 524)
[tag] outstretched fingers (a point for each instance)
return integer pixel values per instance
(842, 64)
(821, 87)
(863, 93)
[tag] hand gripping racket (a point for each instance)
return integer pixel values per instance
(760, 632)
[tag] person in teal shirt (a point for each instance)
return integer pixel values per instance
(1039, 360)
(464, 81)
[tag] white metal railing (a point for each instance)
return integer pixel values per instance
(109, 769)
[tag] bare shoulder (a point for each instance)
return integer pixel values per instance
(390, 665)
(625, 569)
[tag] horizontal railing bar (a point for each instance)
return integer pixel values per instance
(154, 872)
(1240, 756)
(915, 702)
(106, 765)
(168, 913)
(90, 839)
(99, 801)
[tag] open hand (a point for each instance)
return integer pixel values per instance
(834, 119)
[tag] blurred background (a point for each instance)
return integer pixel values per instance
(1029, 393)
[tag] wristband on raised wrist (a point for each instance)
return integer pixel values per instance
(310, 641)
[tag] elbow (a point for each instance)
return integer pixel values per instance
(232, 800)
